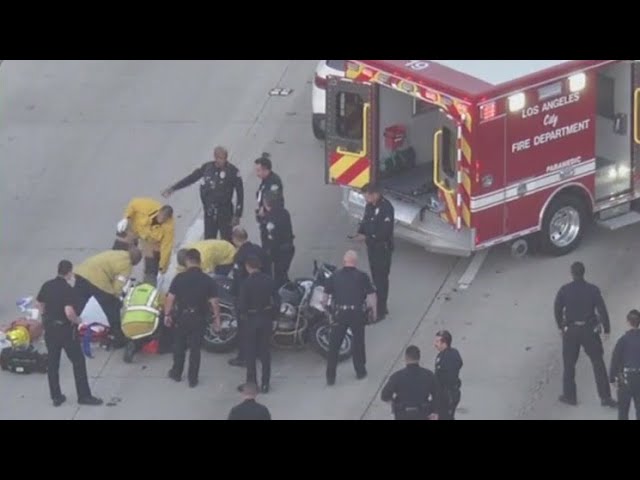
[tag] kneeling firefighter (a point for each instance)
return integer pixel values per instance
(141, 322)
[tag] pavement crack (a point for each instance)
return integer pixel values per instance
(398, 357)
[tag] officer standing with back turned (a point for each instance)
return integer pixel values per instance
(350, 291)
(448, 365)
(625, 367)
(579, 312)
(219, 179)
(258, 304)
(246, 249)
(57, 305)
(376, 229)
(413, 391)
(194, 294)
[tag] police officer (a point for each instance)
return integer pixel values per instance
(376, 229)
(249, 409)
(278, 243)
(219, 179)
(625, 367)
(270, 182)
(579, 312)
(413, 391)
(258, 304)
(350, 290)
(193, 294)
(448, 365)
(57, 303)
(245, 250)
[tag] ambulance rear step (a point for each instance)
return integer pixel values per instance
(618, 217)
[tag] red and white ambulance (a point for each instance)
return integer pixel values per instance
(474, 153)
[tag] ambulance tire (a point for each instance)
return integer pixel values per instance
(318, 130)
(574, 205)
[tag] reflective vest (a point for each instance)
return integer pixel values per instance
(140, 312)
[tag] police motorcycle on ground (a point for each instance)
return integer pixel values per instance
(302, 319)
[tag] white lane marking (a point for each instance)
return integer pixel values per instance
(194, 233)
(472, 270)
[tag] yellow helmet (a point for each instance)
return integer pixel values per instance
(19, 337)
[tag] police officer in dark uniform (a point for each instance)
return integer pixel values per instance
(376, 229)
(350, 291)
(448, 365)
(246, 249)
(270, 182)
(219, 179)
(278, 243)
(258, 304)
(192, 296)
(625, 367)
(413, 391)
(57, 304)
(580, 312)
(249, 409)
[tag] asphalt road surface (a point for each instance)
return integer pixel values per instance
(79, 139)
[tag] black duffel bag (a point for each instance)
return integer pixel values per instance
(23, 360)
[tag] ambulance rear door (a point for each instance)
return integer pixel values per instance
(350, 133)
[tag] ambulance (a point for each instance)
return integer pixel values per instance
(475, 153)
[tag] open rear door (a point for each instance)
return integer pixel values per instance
(350, 152)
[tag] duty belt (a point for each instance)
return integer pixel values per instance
(347, 307)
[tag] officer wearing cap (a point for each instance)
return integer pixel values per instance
(278, 243)
(349, 291)
(219, 179)
(270, 182)
(448, 365)
(258, 303)
(245, 250)
(580, 311)
(57, 305)
(413, 391)
(625, 367)
(376, 229)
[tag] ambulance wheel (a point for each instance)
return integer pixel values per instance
(318, 128)
(563, 225)
(226, 339)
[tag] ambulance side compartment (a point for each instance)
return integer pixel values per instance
(488, 179)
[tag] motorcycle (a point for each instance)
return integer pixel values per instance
(303, 318)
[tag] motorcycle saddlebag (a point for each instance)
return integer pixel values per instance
(23, 360)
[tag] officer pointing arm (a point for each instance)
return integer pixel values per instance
(219, 180)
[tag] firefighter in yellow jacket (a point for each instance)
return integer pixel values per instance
(103, 276)
(151, 224)
(217, 256)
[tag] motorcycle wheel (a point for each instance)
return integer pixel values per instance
(319, 339)
(226, 339)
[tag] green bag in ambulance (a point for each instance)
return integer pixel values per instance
(140, 312)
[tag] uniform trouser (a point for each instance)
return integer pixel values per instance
(149, 250)
(281, 263)
(218, 219)
(110, 304)
(380, 266)
(338, 331)
(258, 332)
(573, 339)
(189, 334)
(628, 391)
(59, 338)
(451, 400)
(264, 243)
